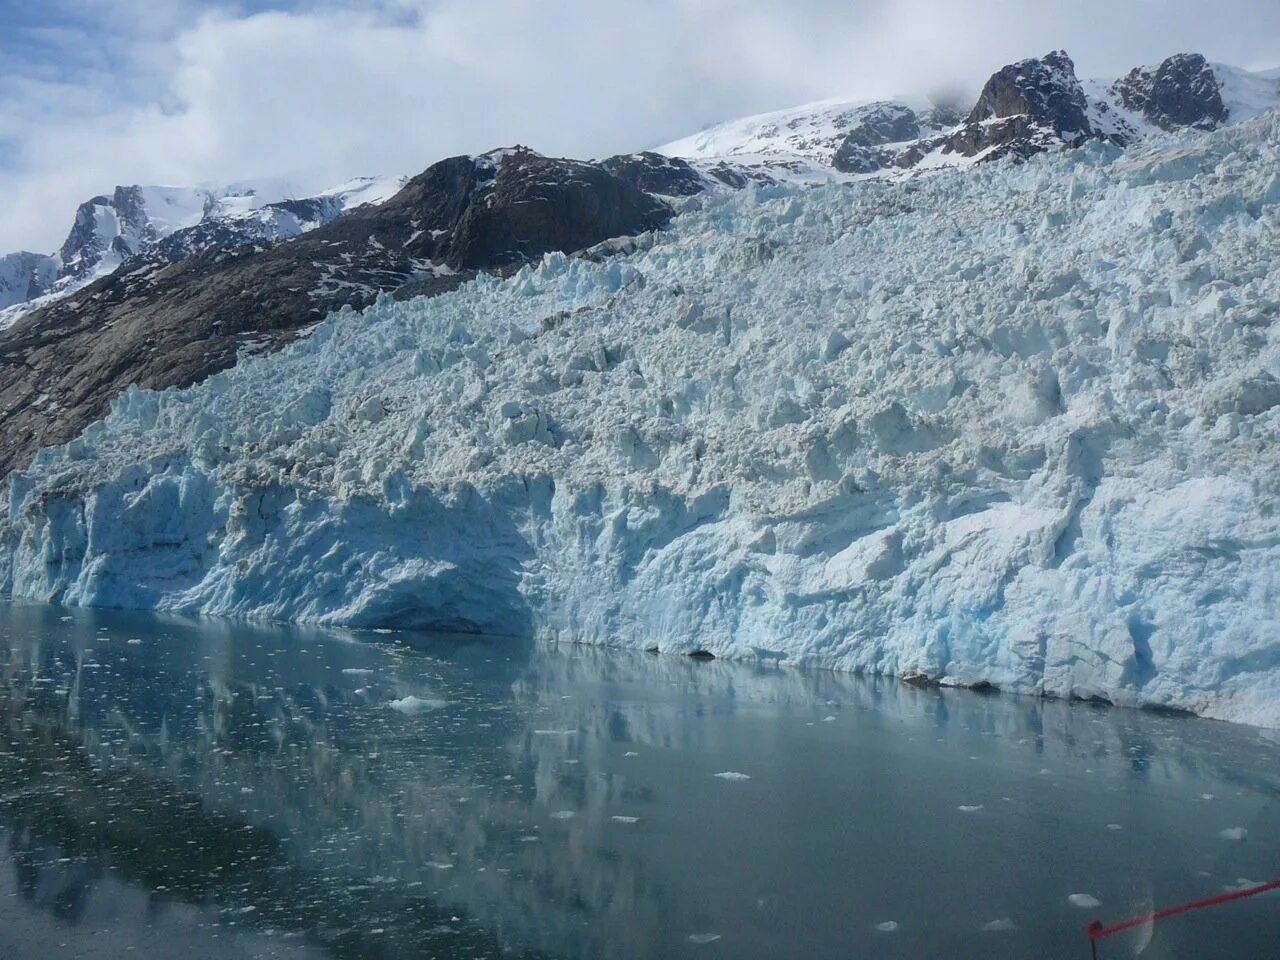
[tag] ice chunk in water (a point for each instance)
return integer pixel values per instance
(703, 937)
(1003, 925)
(733, 775)
(1234, 833)
(887, 926)
(412, 704)
(1085, 901)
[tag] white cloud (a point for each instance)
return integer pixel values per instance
(322, 93)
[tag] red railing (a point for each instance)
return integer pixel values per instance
(1097, 931)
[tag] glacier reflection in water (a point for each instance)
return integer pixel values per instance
(219, 789)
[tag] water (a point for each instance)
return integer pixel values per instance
(196, 790)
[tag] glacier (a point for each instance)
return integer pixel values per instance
(1011, 426)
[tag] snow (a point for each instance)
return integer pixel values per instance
(165, 210)
(20, 273)
(366, 190)
(174, 208)
(1247, 94)
(812, 131)
(798, 144)
(1015, 425)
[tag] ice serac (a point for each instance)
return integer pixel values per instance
(1013, 426)
(173, 318)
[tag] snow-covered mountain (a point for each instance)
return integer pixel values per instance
(136, 221)
(1026, 107)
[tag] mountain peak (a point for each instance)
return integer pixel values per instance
(1181, 92)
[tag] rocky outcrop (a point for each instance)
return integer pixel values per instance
(656, 174)
(1181, 92)
(1023, 108)
(892, 135)
(103, 225)
(158, 323)
(25, 276)
(267, 225)
(863, 148)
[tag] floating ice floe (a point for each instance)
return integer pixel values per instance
(412, 704)
(733, 775)
(1003, 925)
(1085, 901)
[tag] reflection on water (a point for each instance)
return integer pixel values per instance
(213, 789)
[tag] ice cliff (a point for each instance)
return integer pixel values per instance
(1014, 425)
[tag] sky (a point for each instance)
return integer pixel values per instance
(95, 93)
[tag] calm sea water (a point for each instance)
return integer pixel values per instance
(180, 789)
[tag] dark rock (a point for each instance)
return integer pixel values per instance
(943, 116)
(534, 205)
(861, 150)
(733, 177)
(1025, 108)
(159, 324)
(700, 655)
(1182, 92)
(1045, 90)
(853, 158)
(654, 173)
(264, 226)
(915, 678)
(25, 276)
(884, 123)
(85, 247)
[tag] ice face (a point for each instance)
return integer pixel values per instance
(1013, 426)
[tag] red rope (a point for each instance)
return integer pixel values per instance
(1097, 931)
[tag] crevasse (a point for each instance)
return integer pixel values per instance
(1012, 424)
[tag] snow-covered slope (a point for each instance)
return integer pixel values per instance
(799, 145)
(135, 221)
(804, 144)
(24, 275)
(1016, 425)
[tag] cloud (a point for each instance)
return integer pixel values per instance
(319, 92)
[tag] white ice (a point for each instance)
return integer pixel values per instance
(1015, 425)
